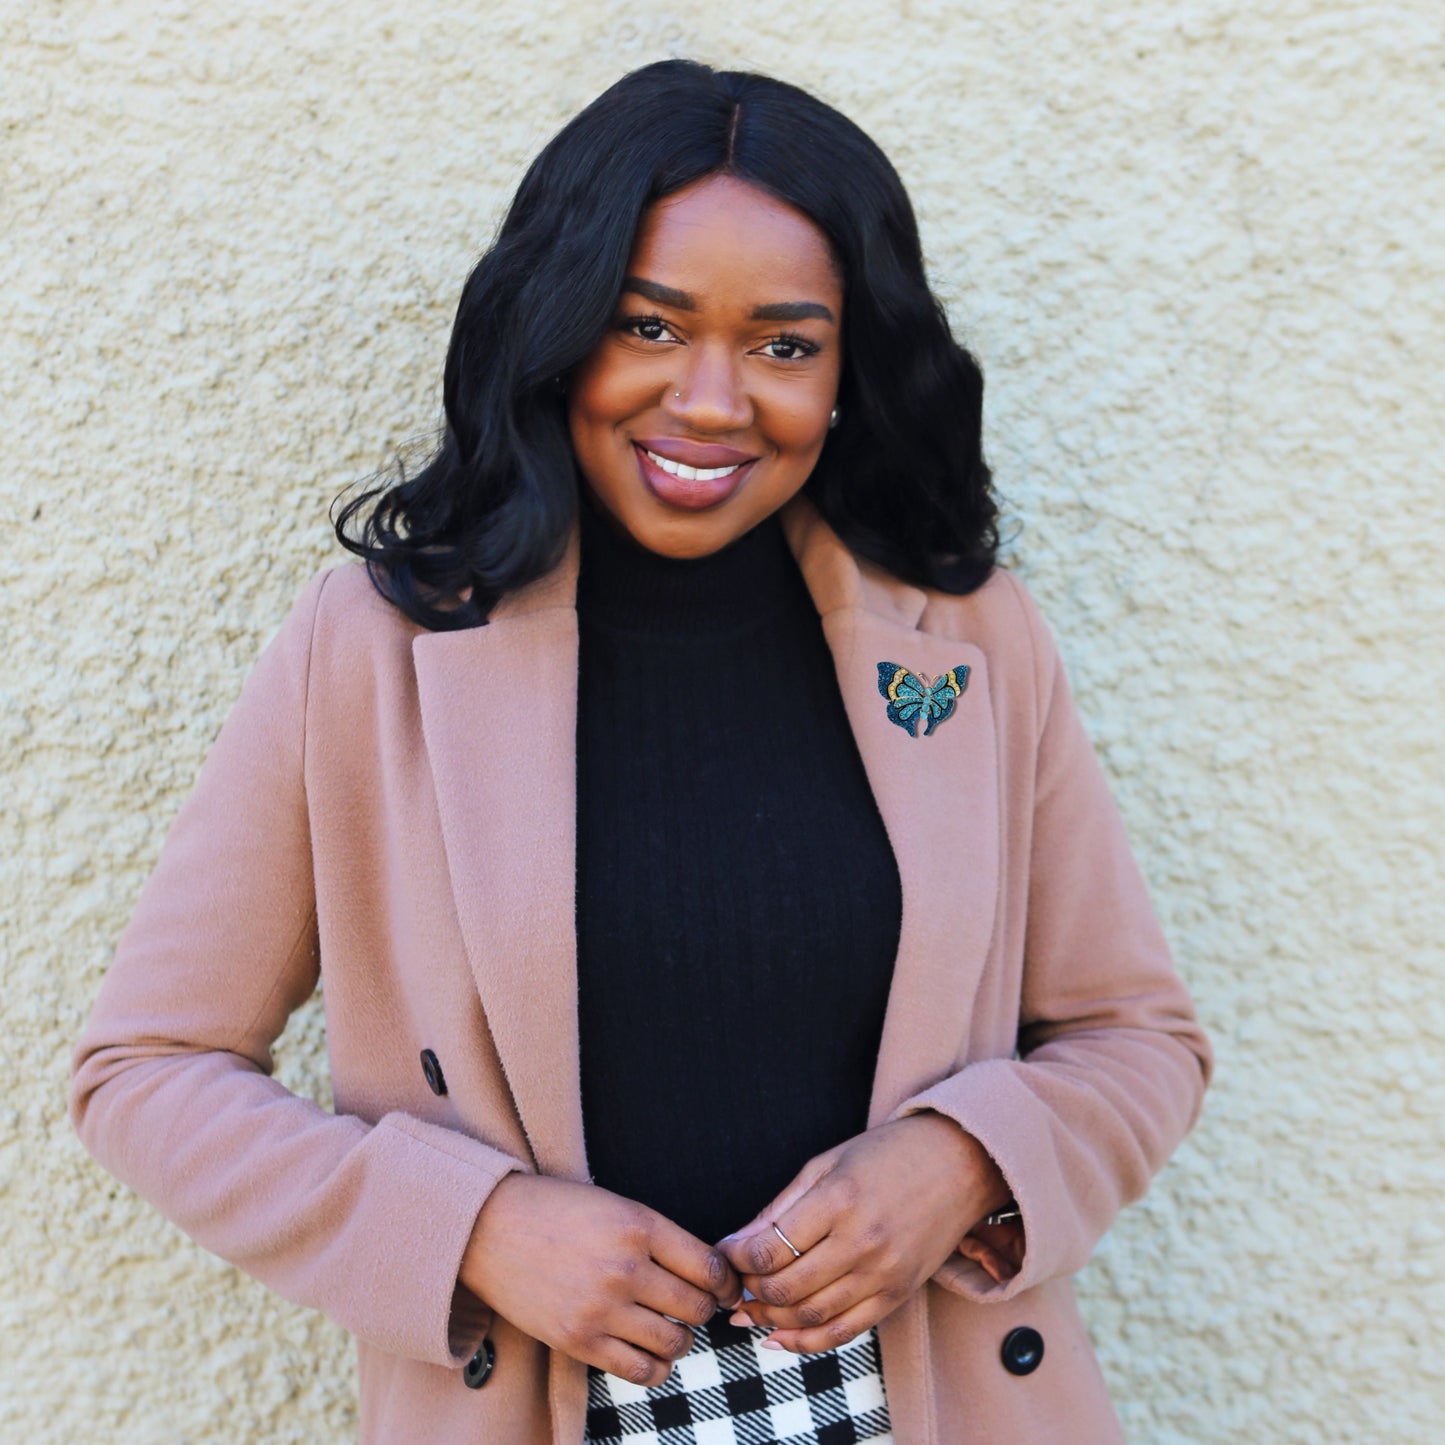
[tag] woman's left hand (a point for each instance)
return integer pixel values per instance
(873, 1219)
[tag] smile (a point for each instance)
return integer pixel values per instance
(688, 486)
(690, 474)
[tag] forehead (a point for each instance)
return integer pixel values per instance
(723, 240)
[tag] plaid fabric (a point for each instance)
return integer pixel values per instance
(730, 1391)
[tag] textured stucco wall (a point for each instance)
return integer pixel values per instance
(1200, 249)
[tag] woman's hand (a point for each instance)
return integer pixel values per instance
(599, 1277)
(874, 1218)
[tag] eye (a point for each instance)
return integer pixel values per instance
(646, 328)
(789, 347)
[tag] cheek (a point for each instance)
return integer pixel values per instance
(799, 424)
(605, 393)
(800, 413)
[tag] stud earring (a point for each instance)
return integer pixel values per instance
(833, 418)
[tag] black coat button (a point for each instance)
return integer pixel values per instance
(435, 1079)
(1023, 1350)
(478, 1370)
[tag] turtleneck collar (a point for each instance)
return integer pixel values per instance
(626, 588)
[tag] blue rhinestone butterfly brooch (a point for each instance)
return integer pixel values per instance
(911, 695)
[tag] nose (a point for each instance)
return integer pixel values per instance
(710, 394)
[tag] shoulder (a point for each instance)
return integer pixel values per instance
(1001, 608)
(340, 631)
(340, 607)
(344, 602)
(1002, 619)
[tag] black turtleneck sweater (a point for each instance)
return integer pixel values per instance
(738, 904)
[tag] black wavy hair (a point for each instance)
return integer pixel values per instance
(902, 479)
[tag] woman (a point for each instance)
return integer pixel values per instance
(733, 959)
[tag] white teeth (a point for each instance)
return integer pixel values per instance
(692, 474)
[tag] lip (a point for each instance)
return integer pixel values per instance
(691, 496)
(695, 454)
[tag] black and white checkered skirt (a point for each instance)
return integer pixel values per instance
(728, 1390)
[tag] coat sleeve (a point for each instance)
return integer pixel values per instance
(171, 1088)
(1111, 1064)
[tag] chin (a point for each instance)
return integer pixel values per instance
(687, 537)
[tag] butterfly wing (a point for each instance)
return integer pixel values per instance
(905, 696)
(941, 696)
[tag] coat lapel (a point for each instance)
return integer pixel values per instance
(938, 797)
(499, 715)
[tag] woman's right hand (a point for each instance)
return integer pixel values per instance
(599, 1277)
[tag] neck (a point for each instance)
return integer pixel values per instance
(626, 587)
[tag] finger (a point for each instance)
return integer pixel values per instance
(813, 1310)
(687, 1257)
(828, 1264)
(841, 1330)
(649, 1331)
(660, 1290)
(776, 1245)
(824, 1264)
(770, 1248)
(628, 1363)
(995, 1265)
(761, 1223)
(1006, 1240)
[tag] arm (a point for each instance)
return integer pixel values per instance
(1111, 1065)
(170, 1085)
(1108, 1076)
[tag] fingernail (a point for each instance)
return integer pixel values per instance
(739, 1319)
(771, 1345)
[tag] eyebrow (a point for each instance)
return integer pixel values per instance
(686, 301)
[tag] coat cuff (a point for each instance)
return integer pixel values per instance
(988, 1102)
(445, 1177)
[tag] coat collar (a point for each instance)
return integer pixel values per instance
(499, 716)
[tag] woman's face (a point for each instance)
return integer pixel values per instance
(705, 406)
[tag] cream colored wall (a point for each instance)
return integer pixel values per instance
(1200, 249)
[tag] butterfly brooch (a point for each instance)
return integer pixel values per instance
(911, 695)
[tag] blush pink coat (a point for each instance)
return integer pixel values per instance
(393, 811)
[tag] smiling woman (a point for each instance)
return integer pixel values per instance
(742, 180)
(718, 1055)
